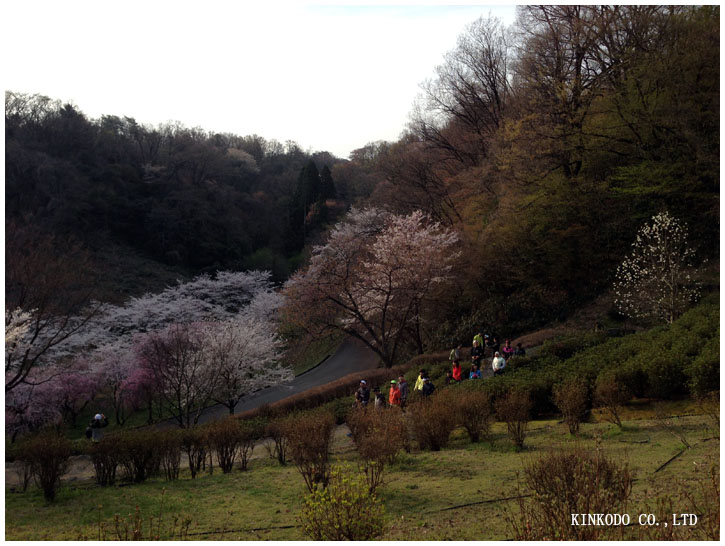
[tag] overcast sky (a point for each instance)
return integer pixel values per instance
(329, 77)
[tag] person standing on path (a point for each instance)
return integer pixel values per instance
(498, 364)
(477, 353)
(419, 381)
(394, 395)
(403, 388)
(457, 372)
(428, 387)
(362, 395)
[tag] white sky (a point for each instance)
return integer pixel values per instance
(329, 77)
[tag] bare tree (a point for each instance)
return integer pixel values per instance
(47, 279)
(463, 106)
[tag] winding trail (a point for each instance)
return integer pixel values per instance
(351, 357)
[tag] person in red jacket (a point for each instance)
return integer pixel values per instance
(457, 371)
(394, 396)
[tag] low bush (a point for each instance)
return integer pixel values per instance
(433, 419)
(571, 397)
(138, 453)
(195, 443)
(563, 484)
(169, 451)
(565, 347)
(514, 409)
(225, 439)
(709, 404)
(275, 432)
(23, 469)
(105, 458)
(474, 411)
(704, 370)
(308, 439)
(379, 435)
(137, 527)
(610, 394)
(248, 436)
(344, 510)
(47, 455)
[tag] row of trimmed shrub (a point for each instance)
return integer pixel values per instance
(661, 363)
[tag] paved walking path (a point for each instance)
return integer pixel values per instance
(351, 357)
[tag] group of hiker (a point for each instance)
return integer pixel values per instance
(398, 393)
(481, 342)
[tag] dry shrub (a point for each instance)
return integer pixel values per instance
(378, 436)
(566, 483)
(709, 404)
(105, 458)
(475, 414)
(571, 399)
(611, 394)
(344, 510)
(246, 444)
(47, 455)
(195, 443)
(138, 453)
(699, 496)
(703, 498)
(169, 446)
(136, 527)
(432, 420)
(667, 423)
(308, 439)
(225, 439)
(23, 468)
(514, 408)
(275, 432)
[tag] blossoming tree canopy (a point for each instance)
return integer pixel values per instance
(372, 279)
(244, 354)
(183, 325)
(656, 279)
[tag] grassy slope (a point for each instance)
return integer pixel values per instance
(418, 486)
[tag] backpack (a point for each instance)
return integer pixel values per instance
(89, 432)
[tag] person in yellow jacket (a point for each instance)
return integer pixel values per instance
(419, 381)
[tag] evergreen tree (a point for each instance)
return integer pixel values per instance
(328, 185)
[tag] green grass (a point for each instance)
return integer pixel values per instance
(420, 487)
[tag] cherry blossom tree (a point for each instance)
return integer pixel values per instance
(122, 377)
(244, 354)
(26, 412)
(175, 358)
(373, 279)
(657, 278)
(221, 297)
(108, 341)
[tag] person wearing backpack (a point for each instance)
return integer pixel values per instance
(428, 387)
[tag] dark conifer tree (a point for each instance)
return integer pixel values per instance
(328, 185)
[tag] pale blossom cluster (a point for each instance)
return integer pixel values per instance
(106, 354)
(657, 279)
(373, 278)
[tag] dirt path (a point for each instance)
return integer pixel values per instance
(351, 357)
(80, 467)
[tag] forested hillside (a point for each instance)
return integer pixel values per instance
(545, 146)
(180, 197)
(549, 144)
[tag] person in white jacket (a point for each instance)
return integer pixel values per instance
(498, 363)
